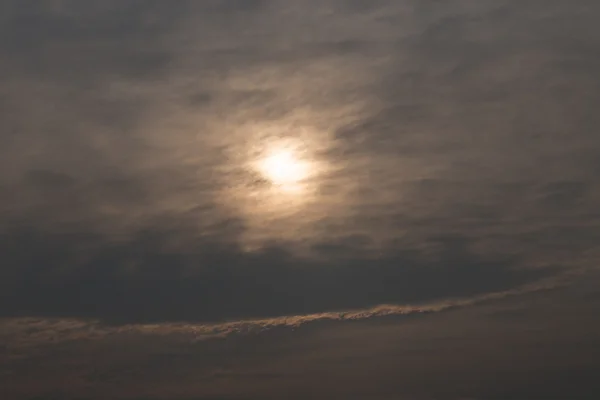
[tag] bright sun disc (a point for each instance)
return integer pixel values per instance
(283, 168)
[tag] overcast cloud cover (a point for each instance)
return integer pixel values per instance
(444, 244)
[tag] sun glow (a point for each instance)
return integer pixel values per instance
(284, 168)
(275, 182)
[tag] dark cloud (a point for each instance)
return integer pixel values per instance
(142, 280)
(129, 180)
(236, 5)
(561, 195)
(466, 353)
(83, 43)
(48, 179)
(453, 159)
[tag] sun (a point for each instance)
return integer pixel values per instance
(284, 168)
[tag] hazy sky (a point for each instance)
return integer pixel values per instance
(254, 199)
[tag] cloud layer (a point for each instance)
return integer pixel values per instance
(452, 191)
(456, 147)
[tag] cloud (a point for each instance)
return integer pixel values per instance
(141, 280)
(445, 244)
(457, 141)
(468, 352)
(23, 334)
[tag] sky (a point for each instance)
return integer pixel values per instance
(267, 199)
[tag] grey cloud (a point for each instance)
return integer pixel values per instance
(74, 21)
(465, 353)
(362, 6)
(236, 5)
(561, 195)
(141, 280)
(48, 179)
(463, 153)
